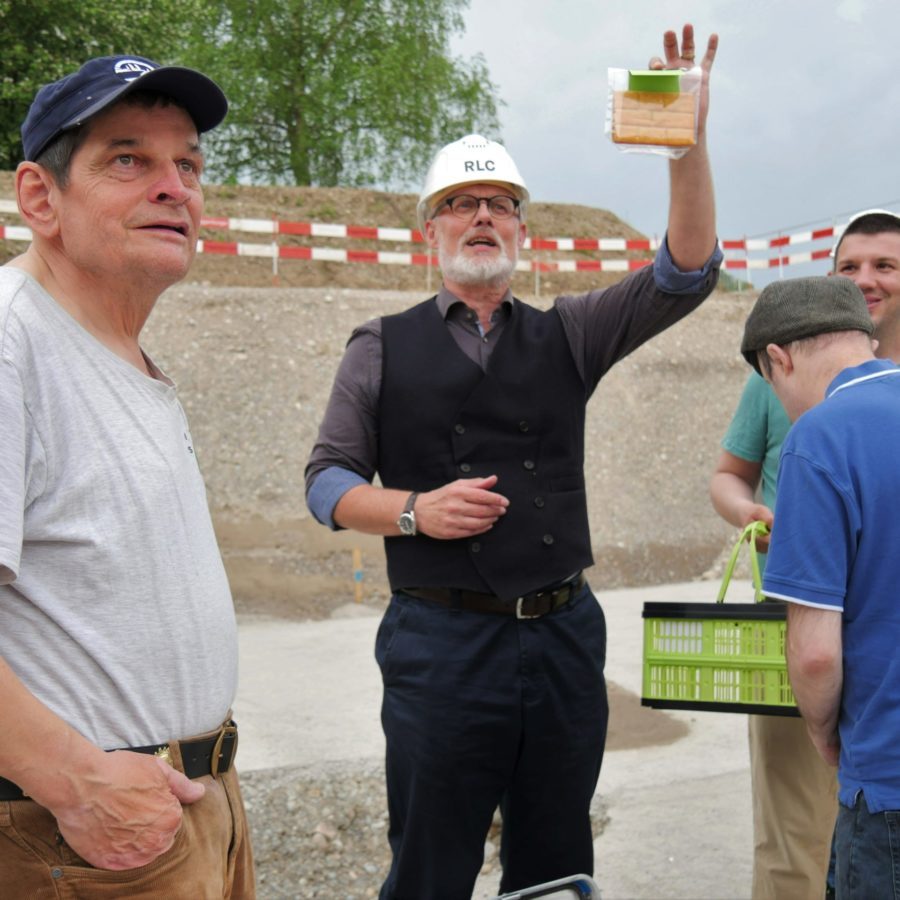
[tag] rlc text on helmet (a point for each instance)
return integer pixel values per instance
(479, 166)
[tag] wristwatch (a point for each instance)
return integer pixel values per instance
(407, 521)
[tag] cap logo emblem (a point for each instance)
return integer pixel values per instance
(478, 166)
(129, 69)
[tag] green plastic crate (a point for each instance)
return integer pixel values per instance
(717, 657)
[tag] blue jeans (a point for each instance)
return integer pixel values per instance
(868, 853)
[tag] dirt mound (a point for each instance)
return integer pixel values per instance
(353, 206)
(254, 365)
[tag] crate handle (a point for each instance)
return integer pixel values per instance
(749, 534)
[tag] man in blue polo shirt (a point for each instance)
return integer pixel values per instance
(832, 555)
(794, 792)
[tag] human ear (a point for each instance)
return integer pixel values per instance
(430, 233)
(34, 192)
(523, 233)
(780, 356)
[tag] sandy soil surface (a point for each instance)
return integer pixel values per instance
(255, 366)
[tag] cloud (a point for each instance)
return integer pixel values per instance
(802, 119)
(851, 10)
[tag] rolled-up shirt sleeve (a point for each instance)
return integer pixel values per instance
(326, 488)
(670, 279)
(346, 451)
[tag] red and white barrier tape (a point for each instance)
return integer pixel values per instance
(333, 254)
(312, 229)
(15, 233)
(364, 232)
(318, 254)
(801, 237)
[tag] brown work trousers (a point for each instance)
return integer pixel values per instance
(211, 856)
(794, 809)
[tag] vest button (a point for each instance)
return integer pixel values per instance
(475, 547)
(459, 429)
(523, 425)
(547, 539)
(465, 467)
(539, 502)
(529, 464)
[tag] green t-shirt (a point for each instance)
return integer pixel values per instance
(757, 432)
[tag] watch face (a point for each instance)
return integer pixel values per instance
(407, 523)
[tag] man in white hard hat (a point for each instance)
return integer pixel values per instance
(794, 791)
(470, 407)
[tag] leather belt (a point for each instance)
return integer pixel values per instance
(528, 606)
(209, 754)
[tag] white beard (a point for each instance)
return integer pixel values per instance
(491, 272)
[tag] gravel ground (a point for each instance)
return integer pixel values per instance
(318, 833)
(254, 368)
(321, 833)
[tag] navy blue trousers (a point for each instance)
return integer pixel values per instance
(481, 711)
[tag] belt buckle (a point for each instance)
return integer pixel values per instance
(164, 752)
(520, 614)
(225, 746)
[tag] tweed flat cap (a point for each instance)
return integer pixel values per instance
(798, 308)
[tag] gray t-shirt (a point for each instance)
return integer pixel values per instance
(115, 610)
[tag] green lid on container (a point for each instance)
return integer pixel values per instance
(662, 81)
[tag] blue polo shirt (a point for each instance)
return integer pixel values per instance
(836, 545)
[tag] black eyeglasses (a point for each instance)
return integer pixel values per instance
(465, 206)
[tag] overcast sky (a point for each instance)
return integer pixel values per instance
(804, 123)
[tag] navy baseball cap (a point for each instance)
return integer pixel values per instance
(72, 100)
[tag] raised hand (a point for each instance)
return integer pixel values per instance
(684, 57)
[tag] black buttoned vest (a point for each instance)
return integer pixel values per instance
(442, 418)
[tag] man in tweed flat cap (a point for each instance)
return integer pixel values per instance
(794, 792)
(832, 554)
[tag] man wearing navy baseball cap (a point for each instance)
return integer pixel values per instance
(118, 645)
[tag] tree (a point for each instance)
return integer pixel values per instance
(46, 39)
(328, 92)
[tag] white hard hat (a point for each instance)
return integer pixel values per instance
(470, 160)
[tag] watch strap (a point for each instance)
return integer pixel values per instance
(407, 521)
